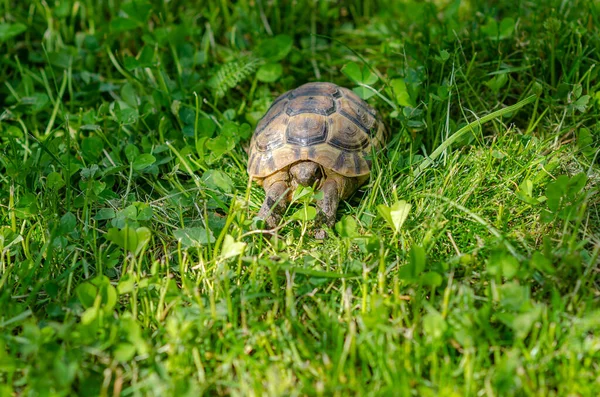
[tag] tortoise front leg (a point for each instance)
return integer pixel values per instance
(276, 190)
(327, 206)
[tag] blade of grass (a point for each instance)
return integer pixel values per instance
(429, 160)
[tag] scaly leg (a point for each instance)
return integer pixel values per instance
(327, 206)
(276, 190)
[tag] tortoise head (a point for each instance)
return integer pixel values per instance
(306, 173)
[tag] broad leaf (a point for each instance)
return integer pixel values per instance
(276, 48)
(307, 213)
(143, 161)
(231, 248)
(401, 93)
(269, 73)
(347, 227)
(194, 237)
(8, 30)
(133, 240)
(395, 215)
(359, 75)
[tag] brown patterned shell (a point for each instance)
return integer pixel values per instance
(320, 122)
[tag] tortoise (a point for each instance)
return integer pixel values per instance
(319, 135)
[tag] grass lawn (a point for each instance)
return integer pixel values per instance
(131, 261)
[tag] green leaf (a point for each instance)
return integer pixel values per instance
(514, 297)
(130, 327)
(129, 95)
(303, 194)
(502, 264)
(507, 27)
(12, 132)
(129, 212)
(120, 25)
(497, 82)
(67, 223)
(193, 237)
(137, 9)
(581, 103)
(276, 48)
(89, 316)
(555, 192)
(527, 188)
(91, 148)
(401, 92)
(307, 213)
(27, 206)
(434, 324)
(269, 72)
(218, 146)
(585, 142)
(522, 323)
(218, 180)
(127, 115)
(124, 352)
(97, 187)
(104, 214)
(55, 181)
(131, 152)
(206, 127)
(143, 236)
(359, 75)
(525, 192)
(577, 90)
(495, 31)
(564, 190)
(143, 161)
(505, 377)
(86, 293)
(100, 287)
(109, 295)
(144, 211)
(51, 289)
(133, 240)
(353, 72)
(363, 92)
(231, 248)
(415, 265)
(431, 279)
(8, 30)
(540, 262)
(395, 215)
(576, 184)
(126, 284)
(37, 101)
(347, 227)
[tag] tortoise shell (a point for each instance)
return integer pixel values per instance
(320, 122)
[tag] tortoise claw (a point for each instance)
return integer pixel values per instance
(320, 234)
(275, 203)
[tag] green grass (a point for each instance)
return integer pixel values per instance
(130, 261)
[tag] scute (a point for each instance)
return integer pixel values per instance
(271, 138)
(323, 105)
(306, 131)
(316, 89)
(352, 97)
(358, 115)
(320, 122)
(275, 110)
(348, 136)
